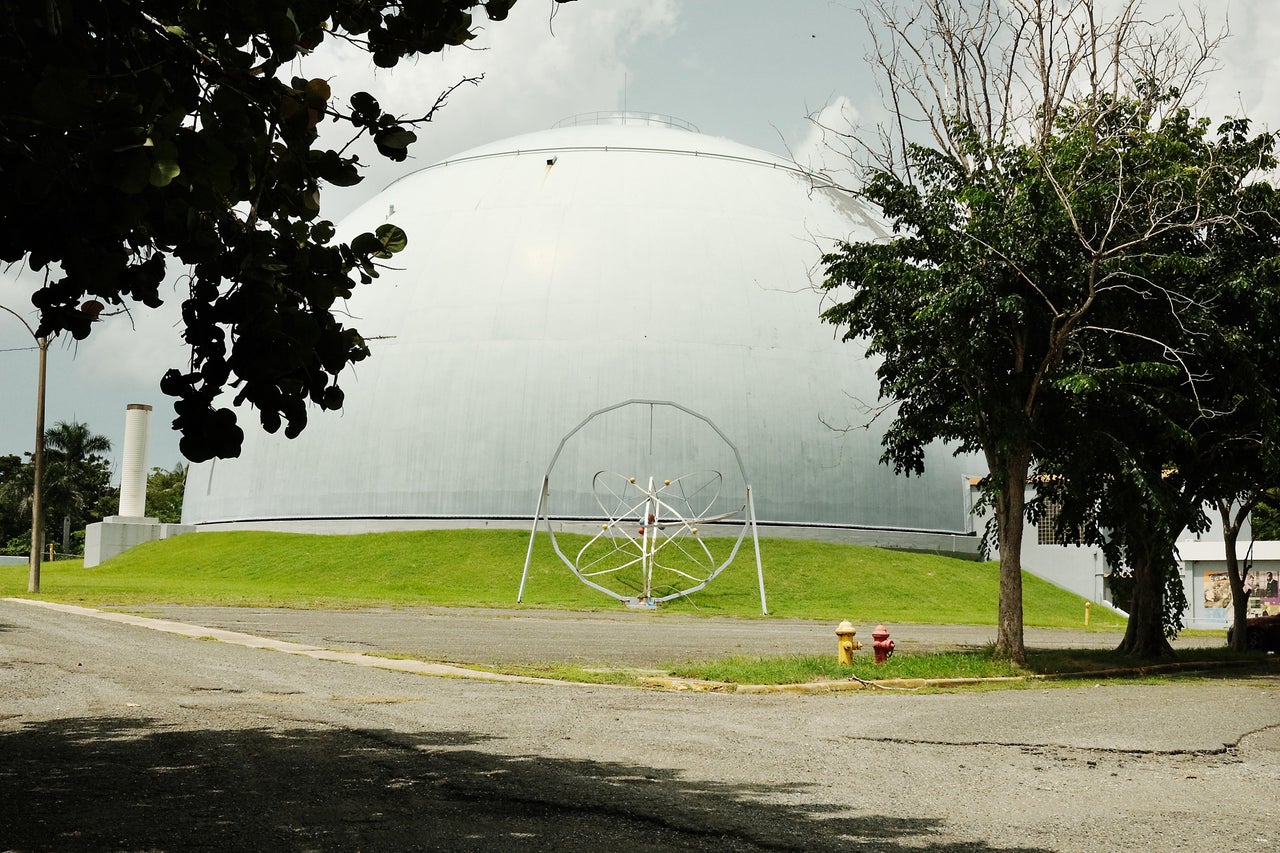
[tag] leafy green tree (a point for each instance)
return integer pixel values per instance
(164, 493)
(1024, 172)
(77, 476)
(963, 344)
(73, 443)
(1266, 517)
(1171, 400)
(77, 485)
(1013, 285)
(14, 487)
(1240, 446)
(1110, 473)
(1227, 404)
(142, 131)
(1144, 447)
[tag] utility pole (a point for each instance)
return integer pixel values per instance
(37, 461)
(37, 458)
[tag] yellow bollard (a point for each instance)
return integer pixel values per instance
(1088, 605)
(846, 645)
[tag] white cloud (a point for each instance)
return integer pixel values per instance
(829, 146)
(1246, 82)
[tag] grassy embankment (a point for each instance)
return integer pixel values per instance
(481, 568)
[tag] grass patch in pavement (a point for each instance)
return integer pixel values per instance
(482, 568)
(799, 669)
(1054, 663)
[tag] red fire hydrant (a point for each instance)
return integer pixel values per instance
(883, 645)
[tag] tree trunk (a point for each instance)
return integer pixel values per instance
(1144, 636)
(1239, 597)
(1011, 498)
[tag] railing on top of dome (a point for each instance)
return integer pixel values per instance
(626, 117)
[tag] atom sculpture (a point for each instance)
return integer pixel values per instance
(646, 548)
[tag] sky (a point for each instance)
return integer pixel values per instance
(753, 71)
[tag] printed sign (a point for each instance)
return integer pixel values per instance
(1217, 589)
(1263, 588)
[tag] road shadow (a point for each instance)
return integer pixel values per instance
(129, 784)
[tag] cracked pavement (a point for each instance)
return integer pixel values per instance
(116, 737)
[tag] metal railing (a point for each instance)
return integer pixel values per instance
(626, 117)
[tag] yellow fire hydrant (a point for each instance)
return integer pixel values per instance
(846, 645)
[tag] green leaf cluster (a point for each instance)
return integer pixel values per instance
(165, 488)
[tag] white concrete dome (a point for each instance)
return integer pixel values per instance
(557, 273)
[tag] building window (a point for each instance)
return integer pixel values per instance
(1046, 525)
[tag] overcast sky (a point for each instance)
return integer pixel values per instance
(749, 70)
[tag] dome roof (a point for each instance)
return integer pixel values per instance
(556, 273)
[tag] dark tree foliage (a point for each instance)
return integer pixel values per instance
(1112, 474)
(1266, 518)
(14, 488)
(138, 132)
(1238, 451)
(164, 493)
(1175, 407)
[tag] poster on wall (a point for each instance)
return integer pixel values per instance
(1263, 589)
(1217, 590)
(1264, 592)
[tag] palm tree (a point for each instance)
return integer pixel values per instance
(73, 441)
(76, 474)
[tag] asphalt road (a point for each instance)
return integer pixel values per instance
(116, 737)
(635, 638)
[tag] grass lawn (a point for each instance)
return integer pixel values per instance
(481, 568)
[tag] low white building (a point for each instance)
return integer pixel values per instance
(1085, 571)
(1204, 575)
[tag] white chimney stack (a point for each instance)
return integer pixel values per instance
(118, 533)
(133, 473)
